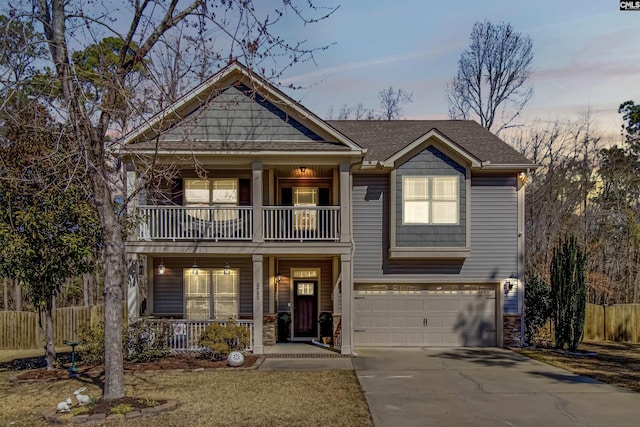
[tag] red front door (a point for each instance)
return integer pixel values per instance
(305, 305)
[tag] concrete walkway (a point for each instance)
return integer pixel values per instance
(300, 356)
(484, 387)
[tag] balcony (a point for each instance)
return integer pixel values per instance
(308, 223)
(195, 223)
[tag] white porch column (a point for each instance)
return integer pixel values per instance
(133, 286)
(347, 287)
(258, 348)
(345, 202)
(256, 175)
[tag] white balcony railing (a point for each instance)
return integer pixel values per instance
(301, 223)
(236, 223)
(201, 223)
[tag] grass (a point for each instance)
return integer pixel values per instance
(211, 398)
(613, 362)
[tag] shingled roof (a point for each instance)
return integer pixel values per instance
(384, 138)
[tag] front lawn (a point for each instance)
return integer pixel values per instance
(210, 398)
(610, 362)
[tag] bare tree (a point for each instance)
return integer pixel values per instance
(247, 32)
(493, 77)
(392, 102)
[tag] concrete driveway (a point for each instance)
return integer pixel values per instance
(484, 387)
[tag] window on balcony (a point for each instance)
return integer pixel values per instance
(430, 200)
(220, 192)
(211, 294)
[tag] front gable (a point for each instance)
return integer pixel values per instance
(237, 111)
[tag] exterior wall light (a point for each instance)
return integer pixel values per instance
(227, 269)
(194, 268)
(509, 284)
(161, 267)
(303, 169)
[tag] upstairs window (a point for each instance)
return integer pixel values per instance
(430, 200)
(219, 192)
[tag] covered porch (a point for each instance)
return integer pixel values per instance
(280, 299)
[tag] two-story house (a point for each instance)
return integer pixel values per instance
(409, 232)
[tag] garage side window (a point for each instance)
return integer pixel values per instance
(430, 200)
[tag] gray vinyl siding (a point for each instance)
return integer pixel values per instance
(431, 162)
(168, 288)
(168, 292)
(237, 114)
(494, 247)
(370, 230)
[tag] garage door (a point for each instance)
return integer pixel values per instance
(448, 315)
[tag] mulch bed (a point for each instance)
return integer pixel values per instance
(173, 362)
(106, 407)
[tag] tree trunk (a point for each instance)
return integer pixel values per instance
(113, 282)
(17, 295)
(49, 347)
(6, 294)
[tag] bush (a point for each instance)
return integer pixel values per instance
(91, 351)
(142, 341)
(147, 339)
(326, 324)
(284, 323)
(223, 339)
(537, 310)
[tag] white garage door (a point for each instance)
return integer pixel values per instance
(447, 315)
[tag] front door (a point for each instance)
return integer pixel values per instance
(305, 305)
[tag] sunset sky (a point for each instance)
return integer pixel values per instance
(587, 55)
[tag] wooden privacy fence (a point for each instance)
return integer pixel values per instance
(20, 330)
(612, 323)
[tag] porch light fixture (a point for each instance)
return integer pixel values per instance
(227, 269)
(510, 283)
(278, 277)
(303, 169)
(161, 267)
(524, 177)
(140, 268)
(194, 268)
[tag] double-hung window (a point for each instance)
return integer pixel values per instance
(219, 192)
(210, 294)
(430, 200)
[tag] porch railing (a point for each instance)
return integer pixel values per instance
(280, 223)
(301, 223)
(195, 222)
(185, 334)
